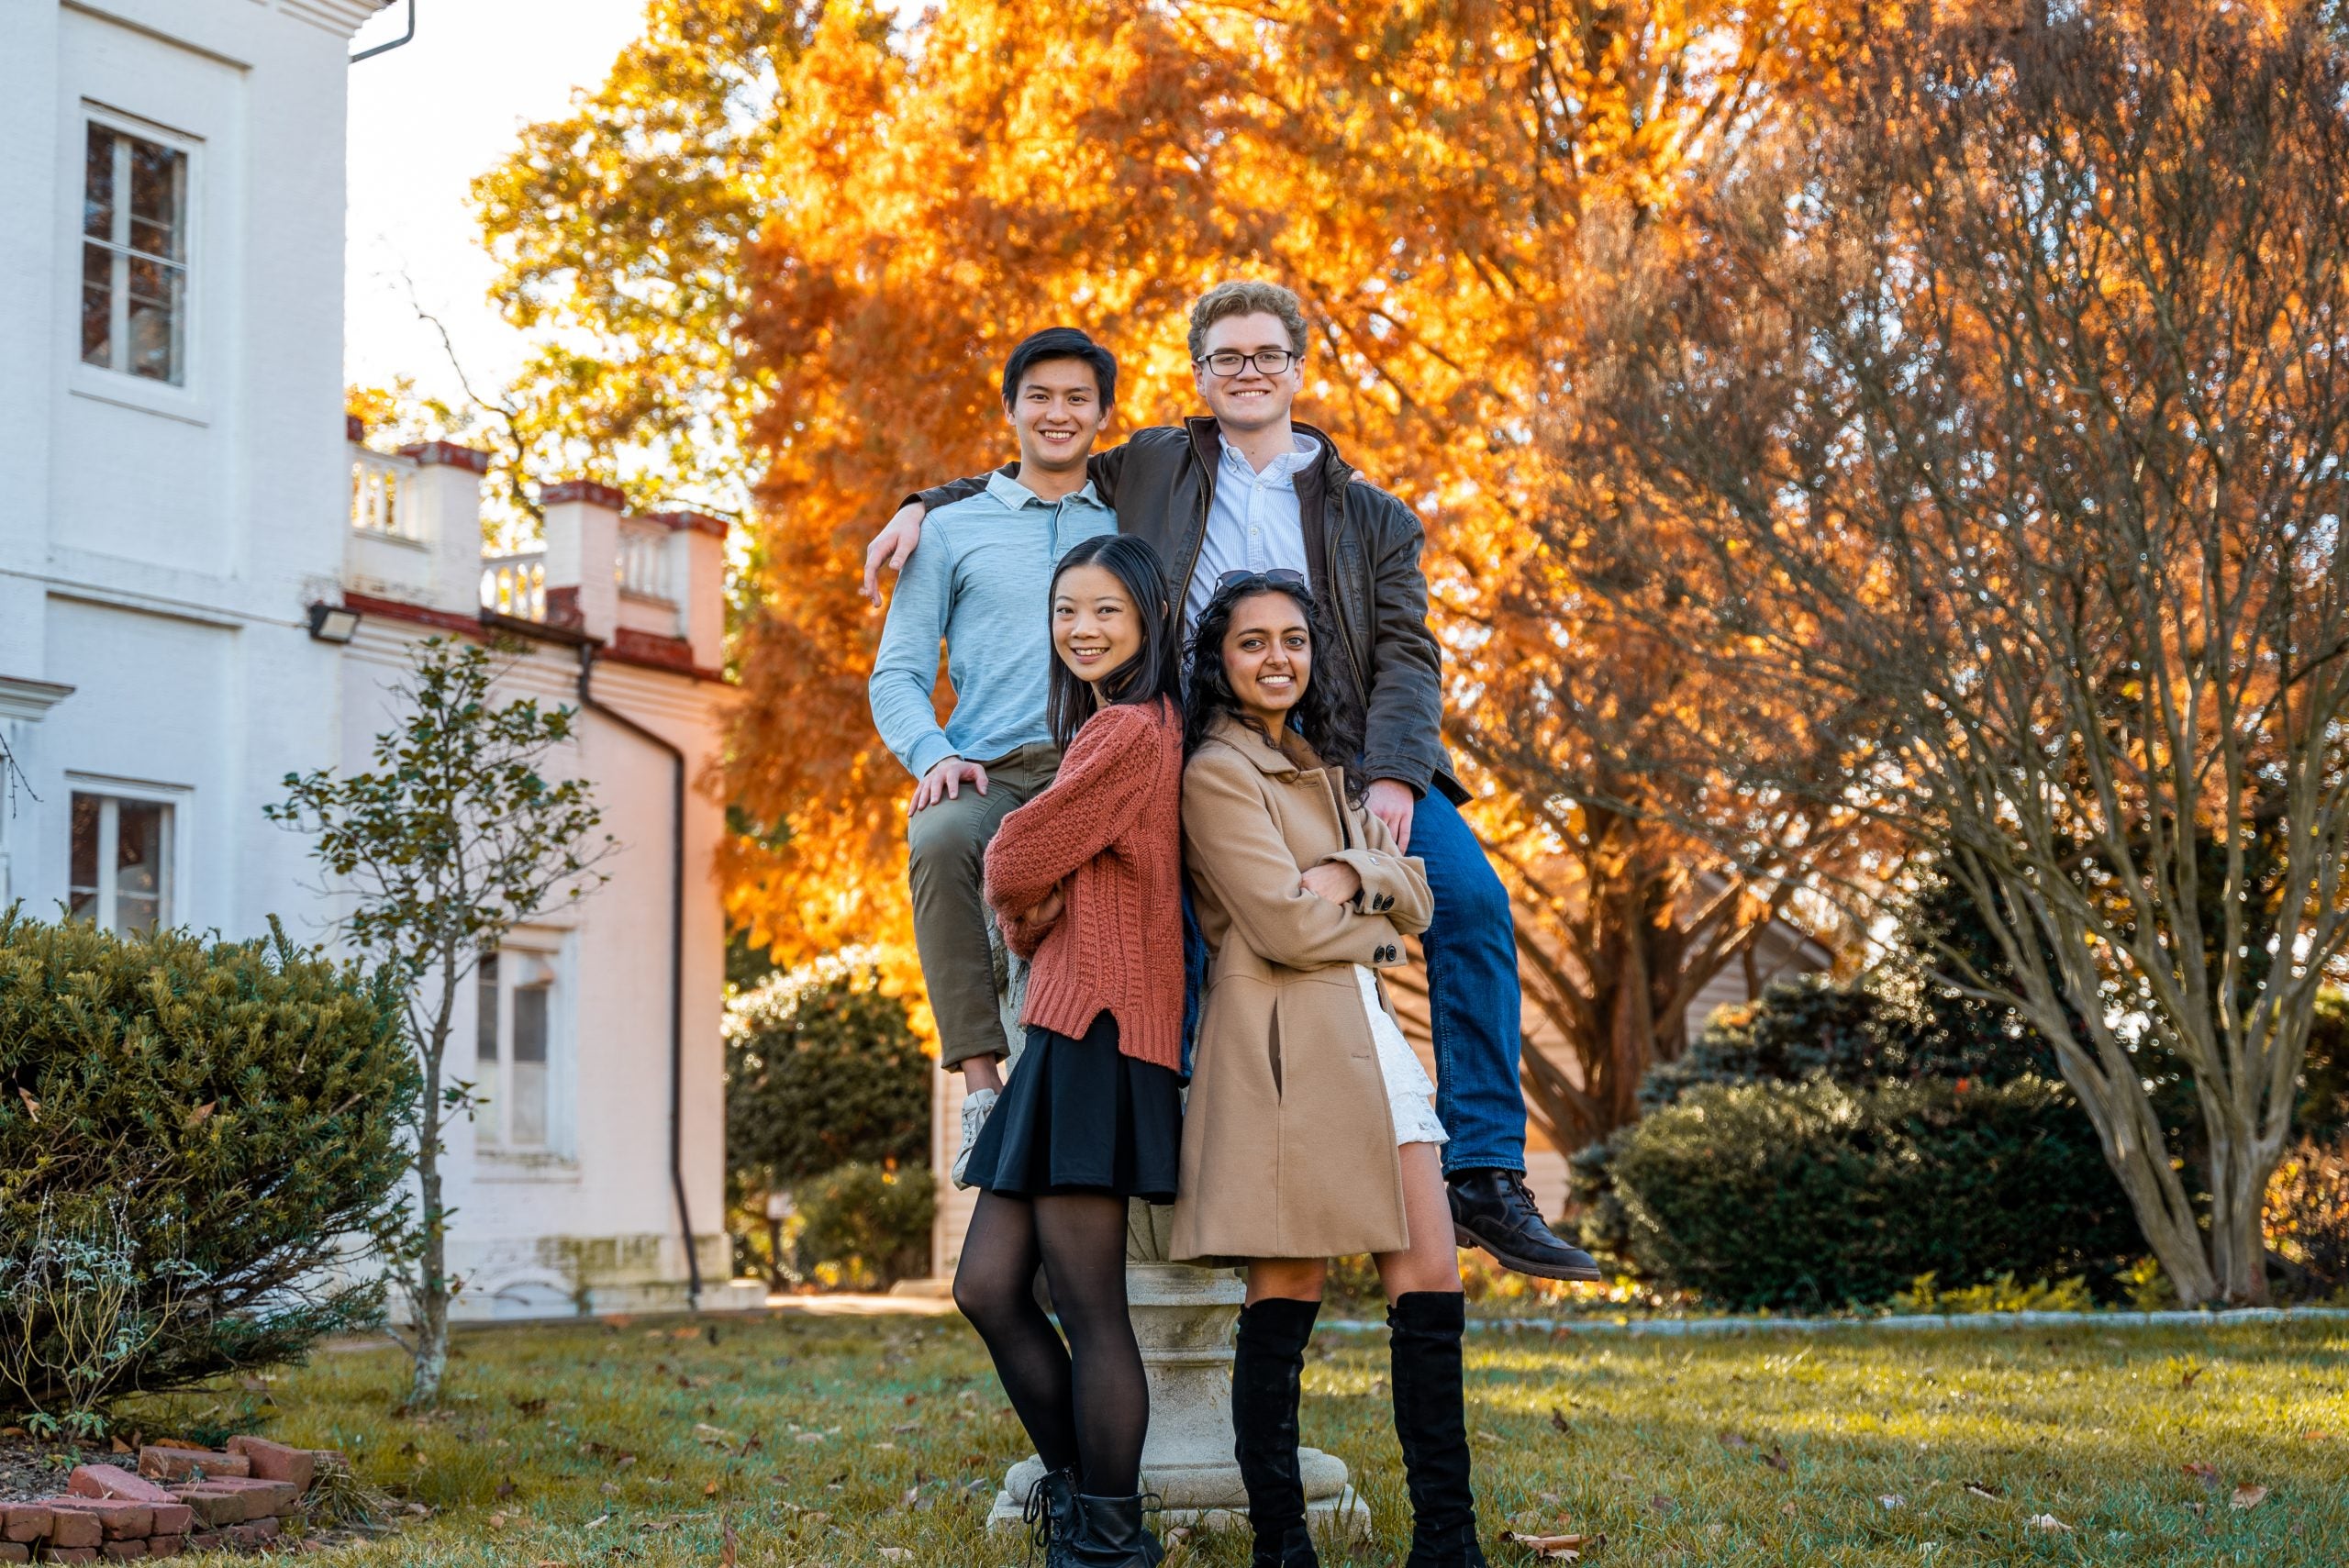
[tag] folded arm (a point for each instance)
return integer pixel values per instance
(1103, 785)
(1236, 850)
(1393, 883)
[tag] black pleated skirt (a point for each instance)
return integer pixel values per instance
(1079, 1115)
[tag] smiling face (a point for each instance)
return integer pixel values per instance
(1096, 626)
(1251, 400)
(1268, 657)
(1057, 412)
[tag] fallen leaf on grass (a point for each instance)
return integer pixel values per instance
(716, 1437)
(1787, 1507)
(1982, 1489)
(726, 1550)
(896, 1553)
(1663, 1505)
(1558, 1420)
(1492, 1437)
(1733, 1440)
(1549, 1548)
(1891, 1500)
(710, 1489)
(1776, 1459)
(2205, 1473)
(2247, 1496)
(599, 1518)
(2049, 1521)
(904, 1427)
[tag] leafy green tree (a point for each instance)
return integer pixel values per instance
(454, 835)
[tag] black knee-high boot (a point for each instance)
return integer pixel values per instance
(1266, 1365)
(1432, 1425)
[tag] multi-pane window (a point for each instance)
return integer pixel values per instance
(121, 874)
(134, 255)
(514, 991)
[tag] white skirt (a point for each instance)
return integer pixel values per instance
(1408, 1088)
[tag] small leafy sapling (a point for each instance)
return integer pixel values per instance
(453, 837)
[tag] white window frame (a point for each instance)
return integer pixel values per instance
(172, 909)
(185, 398)
(551, 948)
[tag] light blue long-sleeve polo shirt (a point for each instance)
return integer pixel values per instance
(981, 579)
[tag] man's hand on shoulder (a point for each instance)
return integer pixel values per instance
(892, 546)
(1392, 802)
(945, 782)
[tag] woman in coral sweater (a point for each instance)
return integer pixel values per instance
(1087, 881)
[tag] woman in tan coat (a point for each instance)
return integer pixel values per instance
(1309, 1133)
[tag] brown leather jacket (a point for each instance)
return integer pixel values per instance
(1365, 560)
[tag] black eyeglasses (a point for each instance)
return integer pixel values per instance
(1287, 577)
(1231, 361)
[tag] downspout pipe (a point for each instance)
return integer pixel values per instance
(588, 701)
(407, 36)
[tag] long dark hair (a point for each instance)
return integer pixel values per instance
(1155, 670)
(1325, 714)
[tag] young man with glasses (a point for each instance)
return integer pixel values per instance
(1248, 489)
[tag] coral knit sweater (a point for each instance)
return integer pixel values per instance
(1110, 829)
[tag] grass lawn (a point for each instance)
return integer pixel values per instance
(830, 1442)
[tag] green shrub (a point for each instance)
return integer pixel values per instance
(193, 1138)
(821, 1072)
(863, 1228)
(1813, 1195)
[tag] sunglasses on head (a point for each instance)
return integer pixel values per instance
(1286, 577)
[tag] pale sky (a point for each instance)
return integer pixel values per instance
(425, 119)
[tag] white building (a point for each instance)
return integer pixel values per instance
(186, 526)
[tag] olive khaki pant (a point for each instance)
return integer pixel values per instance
(946, 847)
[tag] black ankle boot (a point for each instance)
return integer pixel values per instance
(1109, 1535)
(1432, 1425)
(1051, 1516)
(1266, 1364)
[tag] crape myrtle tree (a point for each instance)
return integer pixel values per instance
(1987, 435)
(454, 835)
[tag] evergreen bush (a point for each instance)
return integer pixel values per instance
(1814, 1196)
(821, 1072)
(863, 1228)
(209, 1130)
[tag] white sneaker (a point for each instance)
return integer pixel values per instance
(976, 1105)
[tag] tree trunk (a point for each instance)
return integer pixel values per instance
(430, 1290)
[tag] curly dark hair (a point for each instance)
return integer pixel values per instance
(1326, 715)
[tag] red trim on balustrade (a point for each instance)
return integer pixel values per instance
(427, 453)
(678, 522)
(645, 650)
(585, 490)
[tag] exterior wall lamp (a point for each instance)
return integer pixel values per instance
(332, 623)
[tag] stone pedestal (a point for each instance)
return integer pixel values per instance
(1183, 1318)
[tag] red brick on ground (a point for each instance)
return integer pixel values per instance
(25, 1522)
(163, 1545)
(127, 1550)
(275, 1461)
(258, 1533)
(72, 1528)
(15, 1552)
(70, 1554)
(173, 1518)
(122, 1518)
(262, 1496)
(215, 1504)
(181, 1464)
(108, 1480)
(205, 1541)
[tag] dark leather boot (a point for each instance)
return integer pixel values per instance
(1432, 1425)
(1492, 1209)
(1109, 1535)
(1267, 1361)
(1050, 1515)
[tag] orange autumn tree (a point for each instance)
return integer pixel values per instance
(1419, 171)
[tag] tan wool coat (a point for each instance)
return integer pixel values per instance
(1288, 1148)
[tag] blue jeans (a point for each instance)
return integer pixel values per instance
(1474, 1005)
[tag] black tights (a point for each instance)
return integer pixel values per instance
(1086, 1404)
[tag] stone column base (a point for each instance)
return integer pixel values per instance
(1211, 1496)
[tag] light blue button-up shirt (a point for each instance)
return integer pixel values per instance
(981, 579)
(1253, 522)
